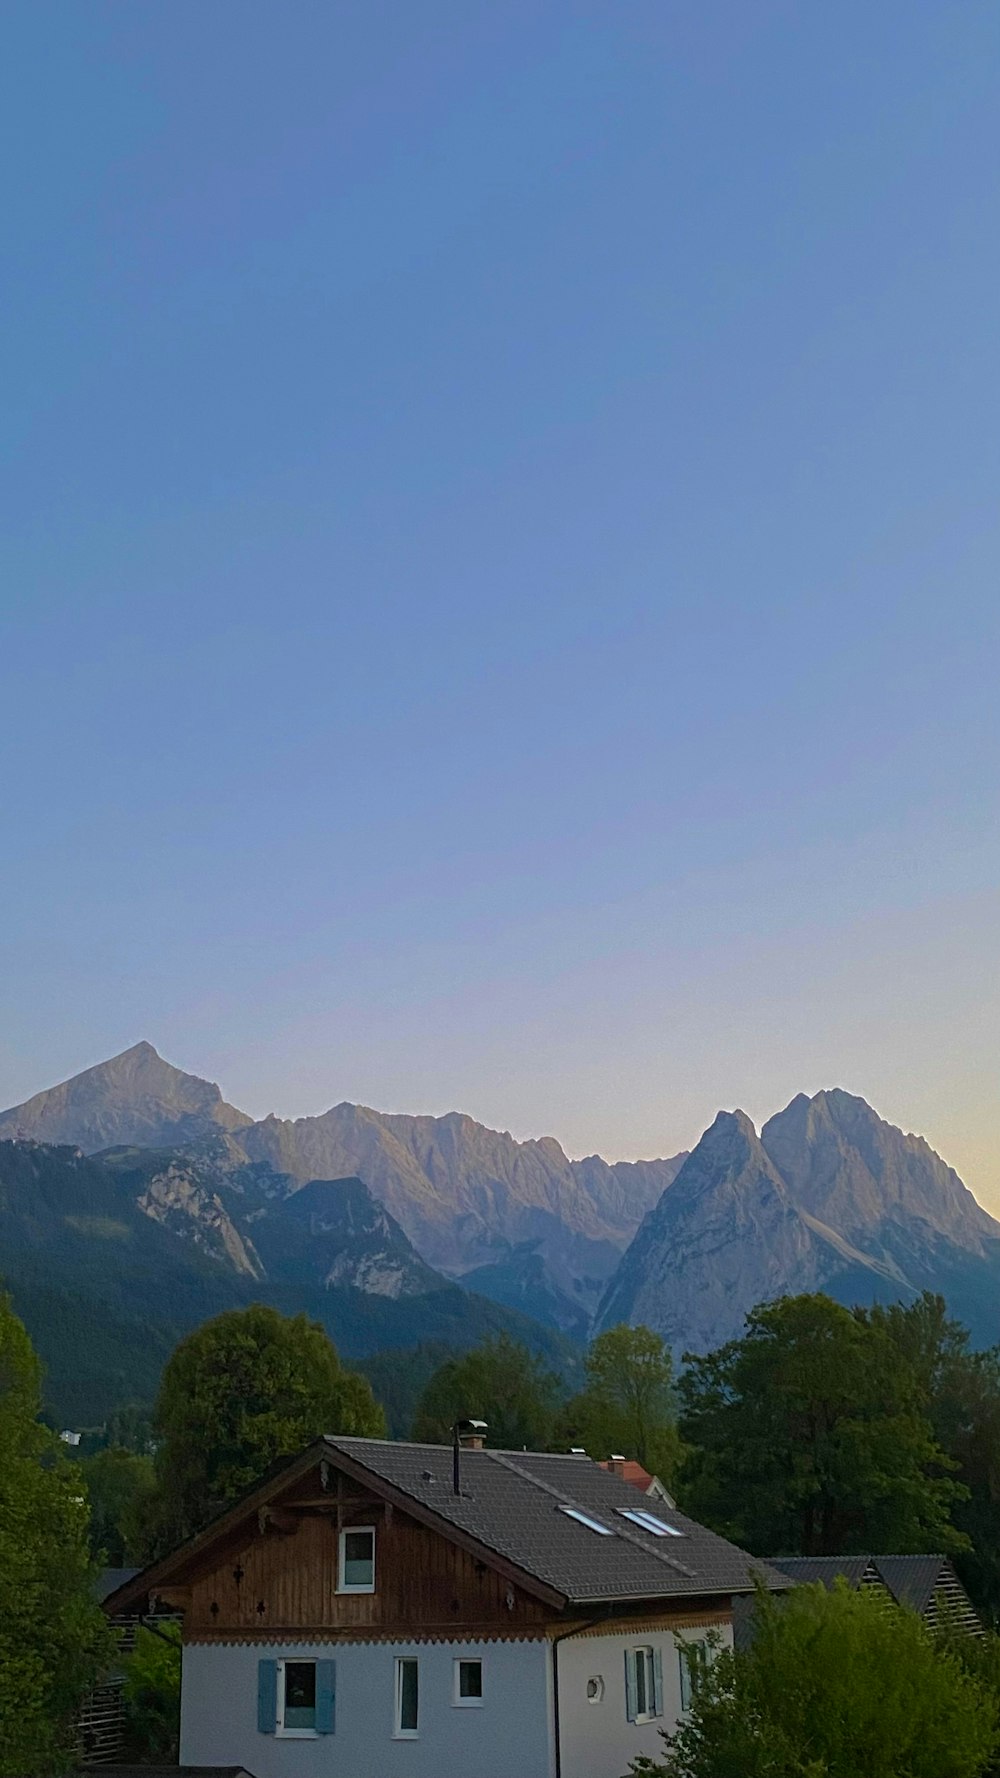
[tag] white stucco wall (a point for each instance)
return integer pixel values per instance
(598, 1741)
(509, 1737)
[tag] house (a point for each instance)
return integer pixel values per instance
(379, 1610)
(923, 1583)
(634, 1473)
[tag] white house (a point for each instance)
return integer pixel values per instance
(357, 1616)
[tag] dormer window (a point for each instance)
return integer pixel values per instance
(357, 1559)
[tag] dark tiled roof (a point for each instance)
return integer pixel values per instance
(164, 1772)
(912, 1580)
(510, 1504)
(824, 1568)
(110, 1579)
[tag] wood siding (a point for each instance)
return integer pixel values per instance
(283, 1581)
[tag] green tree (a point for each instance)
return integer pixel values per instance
(835, 1685)
(244, 1390)
(153, 1693)
(53, 1637)
(810, 1434)
(118, 1486)
(960, 1390)
(500, 1382)
(627, 1405)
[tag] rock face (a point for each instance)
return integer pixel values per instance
(137, 1098)
(467, 1197)
(828, 1197)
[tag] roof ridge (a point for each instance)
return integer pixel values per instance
(568, 1500)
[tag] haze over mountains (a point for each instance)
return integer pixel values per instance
(357, 1214)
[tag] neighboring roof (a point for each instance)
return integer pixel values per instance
(916, 1581)
(854, 1569)
(632, 1472)
(509, 1508)
(165, 1772)
(913, 1580)
(110, 1579)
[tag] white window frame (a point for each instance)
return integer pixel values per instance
(344, 1586)
(643, 1651)
(457, 1699)
(703, 1660)
(398, 1731)
(279, 1724)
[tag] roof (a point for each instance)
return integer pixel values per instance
(166, 1772)
(510, 1504)
(825, 1568)
(631, 1472)
(509, 1509)
(110, 1579)
(915, 1581)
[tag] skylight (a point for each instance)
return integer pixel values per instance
(573, 1512)
(649, 1521)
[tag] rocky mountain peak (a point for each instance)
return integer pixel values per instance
(135, 1097)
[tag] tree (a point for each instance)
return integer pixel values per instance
(960, 1390)
(53, 1637)
(153, 1692)
(500, 1382)
(117, 1482)
(244, 1390)
(810, 1435)
(835, 1685)
(627, 1405)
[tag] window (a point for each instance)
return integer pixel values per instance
(693, 1658)
(407, 1699)
(643, 1684)
(648, 1521)
(297, 1695)
(573, 1512)
(469, 1683)
(357, 1559)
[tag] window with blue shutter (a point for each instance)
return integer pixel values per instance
(643, 1684)
(657, 1682)
(326, 1697)
(267, 1697)
(630, 1703)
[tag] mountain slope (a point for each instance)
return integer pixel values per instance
(725, 1235)
(110, 1259)
(828, 1197)
(466, 1196)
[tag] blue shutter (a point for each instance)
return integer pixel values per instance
(267, 1697)
(326, 1697)
(657, 1682)
(630, 1710)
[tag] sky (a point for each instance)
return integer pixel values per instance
(500, 563)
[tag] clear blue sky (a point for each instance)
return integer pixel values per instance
(500, 556)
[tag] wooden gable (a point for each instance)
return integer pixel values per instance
(276, 1575)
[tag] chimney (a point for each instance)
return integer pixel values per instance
(616, 1464)
(466, 1435)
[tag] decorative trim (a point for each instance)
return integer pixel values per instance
(272, 1638)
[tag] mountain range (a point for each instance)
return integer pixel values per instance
(135, 1193)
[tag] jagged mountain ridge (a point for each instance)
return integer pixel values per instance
(467, 1197)
(110, 1258)
(828, 1197)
